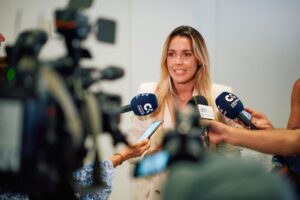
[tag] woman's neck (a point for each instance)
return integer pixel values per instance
(184, 92)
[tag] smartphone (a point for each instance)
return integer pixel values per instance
(152, 164)
(149, 132)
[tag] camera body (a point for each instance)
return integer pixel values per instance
(45, 118)
(38, 149)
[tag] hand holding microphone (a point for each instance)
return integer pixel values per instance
(259, 120)
(232, 107)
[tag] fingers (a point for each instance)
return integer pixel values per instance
(262, 124)
(249, 110)
(255, 113)
(142, 142)
(142, 145)
(206, 122)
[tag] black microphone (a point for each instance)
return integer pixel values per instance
(205, 112)
(199, 99)
(142, 104)
(232, 107)
(109, 73)
(92, 76)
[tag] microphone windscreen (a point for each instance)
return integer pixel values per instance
(196, 100)
(111, 73)
(201, 100)
(229, 105)
(144, 104)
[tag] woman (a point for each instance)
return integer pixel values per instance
(184, 73)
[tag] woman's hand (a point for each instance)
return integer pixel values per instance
(217, 131)
(136, 149)
(132, 151)
(259, 120)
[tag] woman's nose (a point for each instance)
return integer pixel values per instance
(178, 59)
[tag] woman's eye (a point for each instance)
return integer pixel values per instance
(170, 54)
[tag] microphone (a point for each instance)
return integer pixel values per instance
(205, 111)
(142, 104)
(109, 73)
(92, 76)
(232, 107)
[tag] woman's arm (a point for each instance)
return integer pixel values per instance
(280, 142)
(84, 176)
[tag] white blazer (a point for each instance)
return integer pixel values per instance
(139, 125)
(150, 187)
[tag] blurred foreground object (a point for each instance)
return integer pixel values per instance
(223, 178)
(2, 38)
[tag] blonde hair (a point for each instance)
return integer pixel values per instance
(165, 91)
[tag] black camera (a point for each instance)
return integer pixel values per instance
(38, 137)
(45, 118)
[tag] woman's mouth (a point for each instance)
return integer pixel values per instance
(179, 71)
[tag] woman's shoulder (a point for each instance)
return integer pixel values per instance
(216, 86)
(217, 89)
(147, 87)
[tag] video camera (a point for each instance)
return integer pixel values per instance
(45, 118)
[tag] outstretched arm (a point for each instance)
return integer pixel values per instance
(280, 142)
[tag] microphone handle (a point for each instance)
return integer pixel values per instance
(246, 121)
(125, 109)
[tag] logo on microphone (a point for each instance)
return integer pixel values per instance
(148, 108)
(145, 109)
(231, 97)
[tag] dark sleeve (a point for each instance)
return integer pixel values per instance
(84, 177)
(12, 196)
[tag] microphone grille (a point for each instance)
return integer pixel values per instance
(229, 105)
(144, 104)
(199, 99)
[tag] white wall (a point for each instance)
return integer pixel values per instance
(254, 47)
(258, 53)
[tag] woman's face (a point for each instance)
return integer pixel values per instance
(181, 61)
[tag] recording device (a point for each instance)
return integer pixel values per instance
(151, 130)
(180, 144)
(200, 102)
(91, 76)
(141, 104)
(41, 129)
(152, 164)
(232, 107)
(45, 118)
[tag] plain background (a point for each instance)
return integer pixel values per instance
(254, 47)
